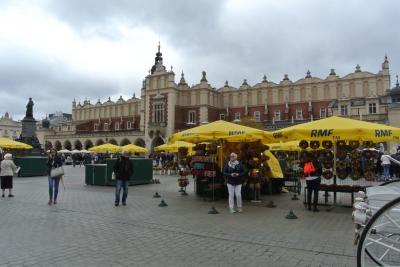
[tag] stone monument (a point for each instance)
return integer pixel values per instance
(28, 134)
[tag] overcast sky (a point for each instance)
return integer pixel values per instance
(58, 50)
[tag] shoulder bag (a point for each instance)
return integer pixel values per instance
(57, 172)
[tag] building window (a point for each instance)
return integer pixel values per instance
(128, 125)
(257, 116)
(222, 116)
(372, 108)
(96, 127)
(117, 125)
(299, 114)
(343, 110)
(105, 126)
(277, 115)
(192, 117)
(237, 116)
(158, 115)
(322, 113)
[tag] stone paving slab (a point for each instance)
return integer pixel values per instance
(85, 229)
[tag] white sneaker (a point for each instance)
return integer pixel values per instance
(232, 210)
(239, 210)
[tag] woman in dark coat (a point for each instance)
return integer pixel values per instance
(313, 180)
(234, 172)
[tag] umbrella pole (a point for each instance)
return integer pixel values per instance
(334, 176)
(213, 210)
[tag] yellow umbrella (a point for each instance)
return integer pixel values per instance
(11, 144)
(285, 146)
(338, 128)
(174, 147)
(275, 170)
(106, 148)
(135, 149)
(221, 129)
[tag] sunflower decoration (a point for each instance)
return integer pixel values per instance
(342, 173)
(303, 144)
(354, 144)
(328, 164)
(327, 174)
(328, 155)
(327, 144)
(314, 144)
(355, 155)
(341, 144)
(341, 154)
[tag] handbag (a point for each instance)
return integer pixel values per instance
(309, 168)
(56, 172)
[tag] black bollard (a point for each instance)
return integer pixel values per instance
(162, 203)
(295, 197)
(213, 210)
(156, 195)
(291, 215)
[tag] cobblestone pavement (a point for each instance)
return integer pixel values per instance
(85, 229)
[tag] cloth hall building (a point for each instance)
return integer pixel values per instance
(168, 105)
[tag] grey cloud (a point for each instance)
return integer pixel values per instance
(275, 38)
(51, 84)
(289, 37)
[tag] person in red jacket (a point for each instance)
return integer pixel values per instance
(312, 171)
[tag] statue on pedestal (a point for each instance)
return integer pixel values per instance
(29, 109)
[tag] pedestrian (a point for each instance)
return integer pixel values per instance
(123, 169)
(53, 161)
(385, 159)
(234, 173)
(7, 171)
(312, 169)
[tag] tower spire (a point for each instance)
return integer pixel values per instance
(158, 60)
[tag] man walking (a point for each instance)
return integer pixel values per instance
(123, 170)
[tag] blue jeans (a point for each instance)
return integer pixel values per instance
(53, 183)
(386, 170)
(118, 185)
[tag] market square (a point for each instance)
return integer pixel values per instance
(85, 229)
(199, 133)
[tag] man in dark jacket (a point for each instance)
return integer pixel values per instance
(123, 170)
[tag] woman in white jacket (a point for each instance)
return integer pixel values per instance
(7, 169)
(386, 162)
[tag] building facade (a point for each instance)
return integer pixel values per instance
(10, 128)
(167, 106)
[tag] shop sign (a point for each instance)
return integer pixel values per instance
(321, 132)
(383, 133)
(236, 133)
(186, 134)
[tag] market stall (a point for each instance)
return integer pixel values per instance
(30, 165)
(101, 174)
(178, 150)
(223, 138)
(288, 154)
(347, 168)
